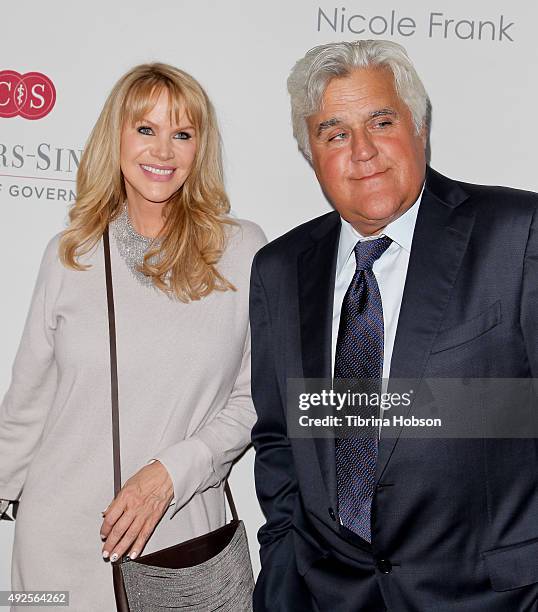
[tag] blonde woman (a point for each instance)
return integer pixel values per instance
(151, 171)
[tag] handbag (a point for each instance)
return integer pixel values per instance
(207, 573)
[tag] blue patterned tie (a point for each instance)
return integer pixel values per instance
(359, 354)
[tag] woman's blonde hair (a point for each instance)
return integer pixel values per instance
(183, 261)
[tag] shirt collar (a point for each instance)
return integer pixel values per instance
(399, 231)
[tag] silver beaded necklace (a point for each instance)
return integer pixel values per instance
(131, 245)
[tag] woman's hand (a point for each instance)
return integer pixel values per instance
(134, 513)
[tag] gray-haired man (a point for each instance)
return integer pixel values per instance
(412, 276)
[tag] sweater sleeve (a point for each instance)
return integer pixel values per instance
(26, 404)
(204, 459)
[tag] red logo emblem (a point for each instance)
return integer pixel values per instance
(31, 95)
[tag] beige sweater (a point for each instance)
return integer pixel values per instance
(184, 387)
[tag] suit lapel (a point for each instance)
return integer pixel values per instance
(440, 239)
(439, 242)
(317, 269)
(316, 276)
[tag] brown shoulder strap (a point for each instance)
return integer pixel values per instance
(114, 381)
(113, 367)
(231, 502)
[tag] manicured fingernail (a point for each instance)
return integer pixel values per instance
(133, 554)
(103, 538)
(114, 557)
(105, 554)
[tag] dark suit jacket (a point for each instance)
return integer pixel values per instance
(454, 521)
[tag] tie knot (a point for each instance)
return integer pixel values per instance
(368, 251)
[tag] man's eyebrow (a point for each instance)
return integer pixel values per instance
(383, 112)
(329, 123)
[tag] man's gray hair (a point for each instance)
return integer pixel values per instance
(311, 75)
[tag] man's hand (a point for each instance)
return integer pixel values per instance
(134, 513)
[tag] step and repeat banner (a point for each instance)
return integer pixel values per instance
(58, 61)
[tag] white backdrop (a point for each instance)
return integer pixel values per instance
(481, 79)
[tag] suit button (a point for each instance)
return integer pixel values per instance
(332, 514)
(384, 566)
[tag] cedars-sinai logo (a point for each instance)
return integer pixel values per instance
(31, 95)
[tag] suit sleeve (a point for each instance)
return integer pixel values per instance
(529, 297)
(276, 482)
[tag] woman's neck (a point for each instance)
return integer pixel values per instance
(146, 219)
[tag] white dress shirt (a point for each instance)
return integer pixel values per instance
(390, 271)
